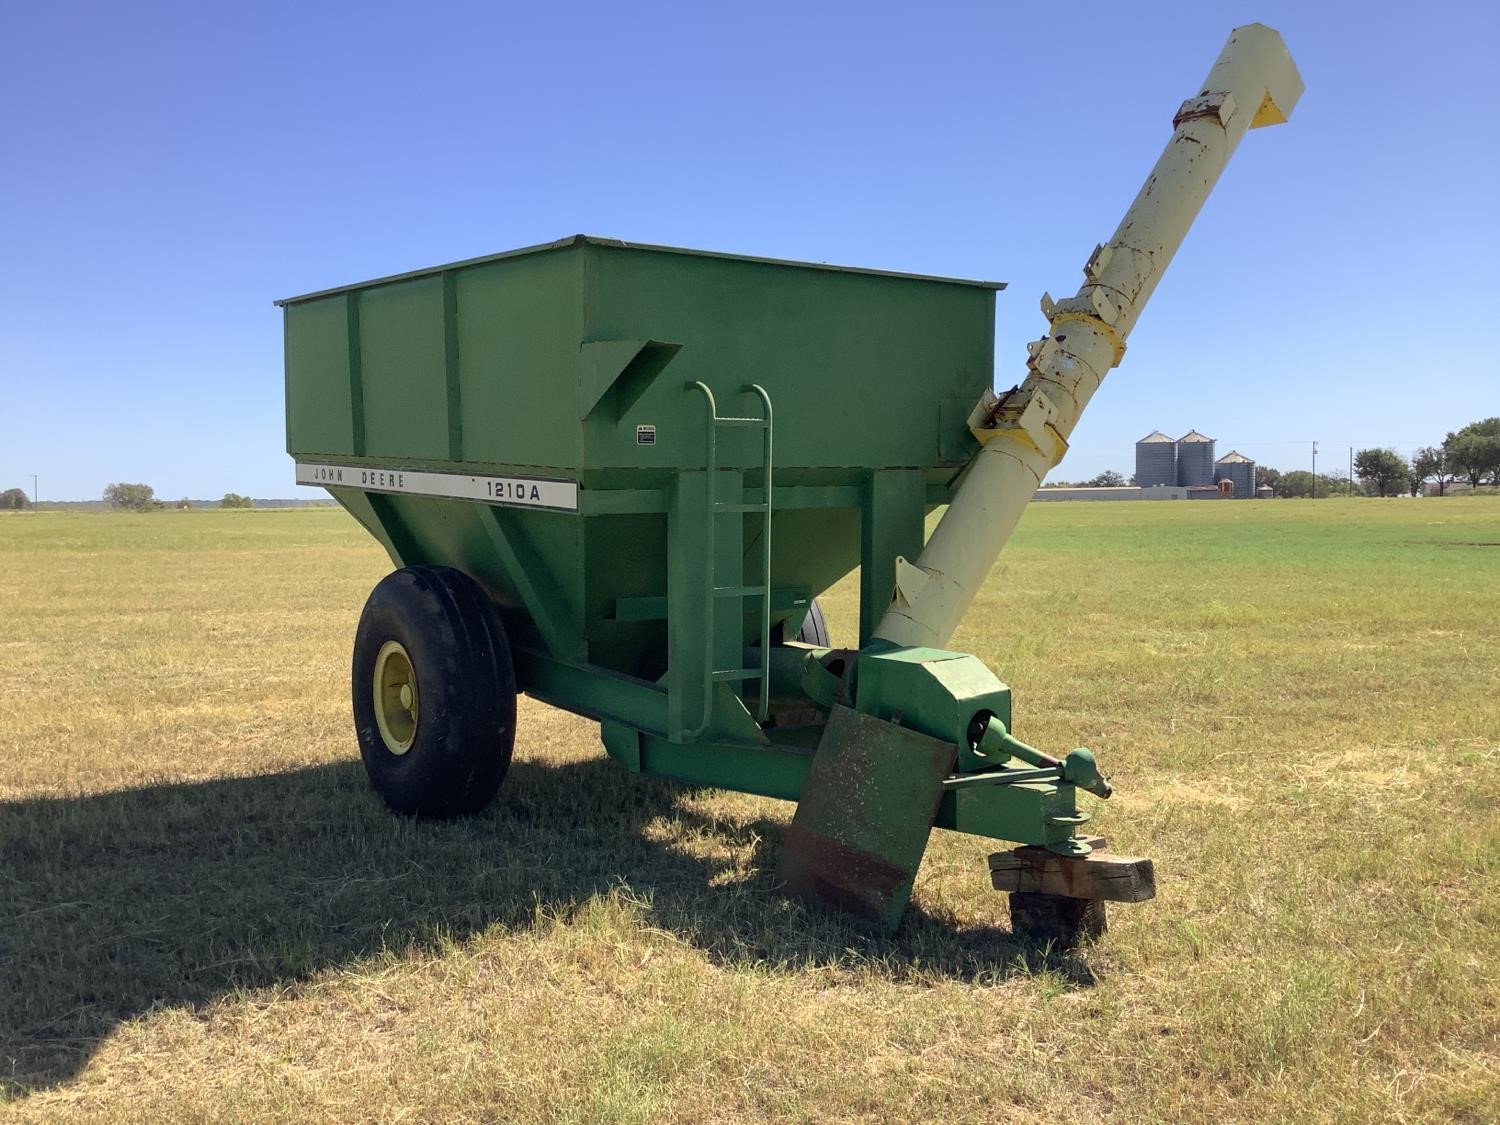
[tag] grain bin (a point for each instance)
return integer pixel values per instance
(1155, 460)
(616, 476)
(1195, 459)
(1239, 469)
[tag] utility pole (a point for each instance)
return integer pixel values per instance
(1351, 470)
(33, 492)
(1315, 470)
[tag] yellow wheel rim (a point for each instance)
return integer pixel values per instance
(395, 697)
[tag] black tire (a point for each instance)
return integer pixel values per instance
(1063, 922)
(814, 629)
(461, 728)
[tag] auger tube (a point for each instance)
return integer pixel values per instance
(1025, 431)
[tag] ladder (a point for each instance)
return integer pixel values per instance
(716, 593)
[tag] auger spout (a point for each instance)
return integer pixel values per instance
(1025, 431)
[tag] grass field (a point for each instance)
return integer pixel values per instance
(204, 912)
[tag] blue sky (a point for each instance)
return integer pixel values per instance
(167, 170)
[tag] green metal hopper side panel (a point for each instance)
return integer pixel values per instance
(549, 359)
(857, 364)
(548, 364)
(465, 365)
(530, 562)
(536, 565)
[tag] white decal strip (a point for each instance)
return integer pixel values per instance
(520, 492)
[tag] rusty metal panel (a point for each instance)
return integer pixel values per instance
(862, 824)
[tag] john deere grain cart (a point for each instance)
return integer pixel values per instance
(617, 476)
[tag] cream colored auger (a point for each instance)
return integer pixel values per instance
(1025, 431)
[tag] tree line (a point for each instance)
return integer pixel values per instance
(1470, 454)
(127, 498)
(142, 498)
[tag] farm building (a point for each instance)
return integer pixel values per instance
(1220, 491)
(1121, 492)
(1184, 469)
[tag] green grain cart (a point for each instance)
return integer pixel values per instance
(617, 476)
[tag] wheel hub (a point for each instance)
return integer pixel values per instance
(396, 697)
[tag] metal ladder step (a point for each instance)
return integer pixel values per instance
(738, 592)
(723, 506)
(731, 674)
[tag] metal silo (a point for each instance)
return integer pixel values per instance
(1239, 469)
(1195, 459)
(1155, 460)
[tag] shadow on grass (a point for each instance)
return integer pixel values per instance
(179, 894)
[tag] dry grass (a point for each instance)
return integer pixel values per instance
(204, 913)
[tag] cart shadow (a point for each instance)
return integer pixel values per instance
(179, 894)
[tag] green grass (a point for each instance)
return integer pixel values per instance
(204, 913)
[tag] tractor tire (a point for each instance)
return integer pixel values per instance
(814, 629)
(434, 691)
(1063, 922)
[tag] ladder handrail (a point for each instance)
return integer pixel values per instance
(764, 710)
(711, 467)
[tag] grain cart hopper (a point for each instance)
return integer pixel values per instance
(617, 476)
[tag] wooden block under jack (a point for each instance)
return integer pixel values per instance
(1097, 876)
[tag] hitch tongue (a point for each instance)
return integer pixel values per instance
(1078, 768)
